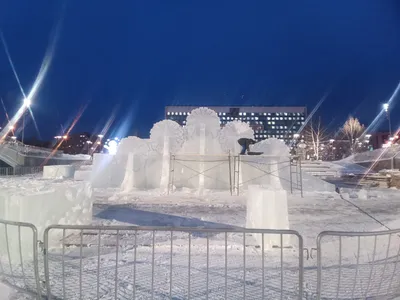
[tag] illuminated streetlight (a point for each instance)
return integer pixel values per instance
(27, 102)
(65, 137)
(100, 136)
(367, 136)
(386, 107)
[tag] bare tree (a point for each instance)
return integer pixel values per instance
(353, 129)
(315, 138)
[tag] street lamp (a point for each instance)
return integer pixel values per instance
(27, 104)
(386, 108)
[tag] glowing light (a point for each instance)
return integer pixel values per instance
(101, 136)
(99, 143)
(112, 147)
(65, 137)
(27, 102)
(331, 141)
(11, 127)
(367, 136)
(58, 137)
(14, 138)
(386, 106)
(296, 135)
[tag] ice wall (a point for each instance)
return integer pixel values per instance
(58, 171)
(267, 209)
(41, 203)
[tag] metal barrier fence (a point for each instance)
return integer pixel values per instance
(19, 265)
(20, 171)
(358, 265)
(129, 262)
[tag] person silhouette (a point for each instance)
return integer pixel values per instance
(245, 143)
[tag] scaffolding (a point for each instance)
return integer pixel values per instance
(233, 172)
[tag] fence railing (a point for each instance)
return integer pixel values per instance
(358, 265)
(20, 171)
(19, 264)
(129, 262)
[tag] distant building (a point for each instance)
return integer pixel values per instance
(80, 143)
(267, 121)
(378, 139)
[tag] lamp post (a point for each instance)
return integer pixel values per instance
(27, 104)
(386, 108)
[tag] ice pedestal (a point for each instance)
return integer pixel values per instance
(41, 203)
(63, 171)
(129, 179)
(268, 209)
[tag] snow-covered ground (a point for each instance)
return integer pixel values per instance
(136, 261)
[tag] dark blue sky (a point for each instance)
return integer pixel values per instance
(142, 55)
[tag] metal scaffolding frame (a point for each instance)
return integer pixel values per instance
(293, 163)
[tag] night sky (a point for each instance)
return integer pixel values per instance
(136, 57)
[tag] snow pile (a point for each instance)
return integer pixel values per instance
(41, 203)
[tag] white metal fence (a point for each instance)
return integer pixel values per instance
(131, 262)
(358, 265)
(19, 266)
(20, 171)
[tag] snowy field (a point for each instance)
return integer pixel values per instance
(217, 261)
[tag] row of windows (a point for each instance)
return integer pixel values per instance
(240, 114)
(260, 123)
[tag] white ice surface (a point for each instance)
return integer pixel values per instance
(309, 215)
(41, 203)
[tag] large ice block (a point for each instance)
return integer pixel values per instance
(41, 203)
(268, 209)
(58, 171)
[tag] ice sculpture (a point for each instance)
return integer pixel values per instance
(170, 130)
(206, 116)
(231, 133)
(168, 137)
(271, 147)
(270, 168)
(132, 144)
